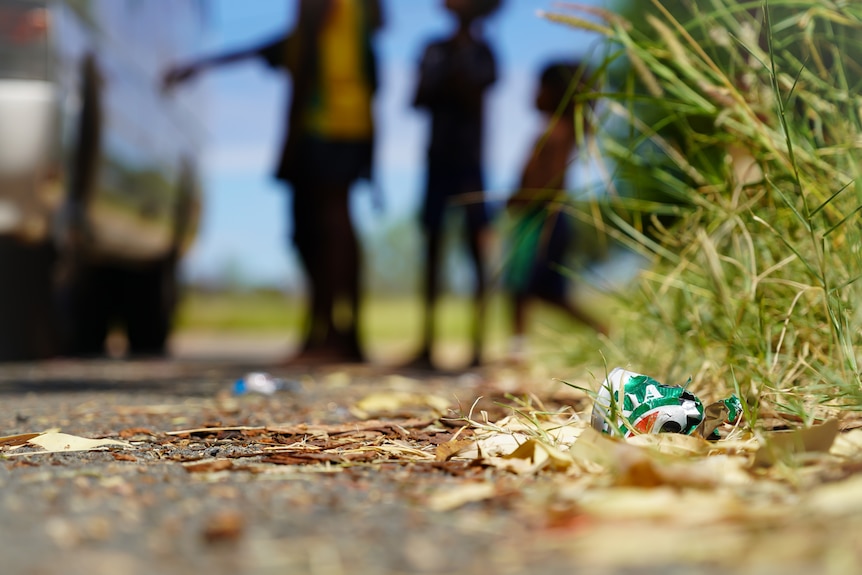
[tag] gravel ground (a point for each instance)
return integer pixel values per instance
(146, 511)
(140, 511)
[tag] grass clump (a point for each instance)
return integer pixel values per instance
(730, 143)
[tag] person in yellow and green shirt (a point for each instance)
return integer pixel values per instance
(328, 146)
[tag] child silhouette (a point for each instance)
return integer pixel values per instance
(454, 75)
(541, 232)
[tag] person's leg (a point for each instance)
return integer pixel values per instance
(518, 341)
(343, 262)
(307, 240)
(333, 260)
(519, 315)
(434, 205)
(575, 312)
(475, 242)
(478, 231)
(551, 284)
(430, 291)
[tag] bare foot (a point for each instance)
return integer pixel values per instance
(421, 362)
(326, 354)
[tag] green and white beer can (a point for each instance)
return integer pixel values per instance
(634, 403)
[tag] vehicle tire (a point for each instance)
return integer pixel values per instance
(28, 320)
(153, 291)
(89, 299)
(149, 302)
(140, 299)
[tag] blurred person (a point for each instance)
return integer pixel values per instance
(542, 232)
(327, 148)
(454, 75)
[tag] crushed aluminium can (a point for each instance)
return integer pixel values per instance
(635, 403)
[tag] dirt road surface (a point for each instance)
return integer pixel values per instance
(209, 482)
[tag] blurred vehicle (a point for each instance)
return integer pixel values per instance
(99, 194)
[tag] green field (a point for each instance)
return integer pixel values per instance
(391, 325)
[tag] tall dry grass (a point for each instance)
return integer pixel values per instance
(730, 149)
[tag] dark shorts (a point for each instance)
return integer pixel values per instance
(325, 172)
(450, 188)
(332, 162)
(538, 249)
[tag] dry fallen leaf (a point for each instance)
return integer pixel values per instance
(542, 455)
(350, 427)
(493, 445)
(213, 429)
(448, 450)
(389, 403)
(55, 442)
(135, 431)
(508, 434)
(454, 497)
(594, 451)
(123, 456)
(208, 466)
(843, 498)
(778, 445)
(668, 504)
(673, 443)
(224, 526)
(20, 439)
(848, 444)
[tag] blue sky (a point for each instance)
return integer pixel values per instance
(244, 227)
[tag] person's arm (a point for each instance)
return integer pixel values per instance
(483, 70)
(272, 52)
